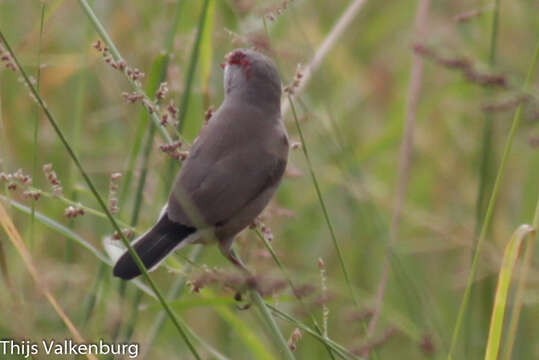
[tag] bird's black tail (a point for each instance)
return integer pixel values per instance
(152, 247)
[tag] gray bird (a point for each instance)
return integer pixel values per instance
(232, 171)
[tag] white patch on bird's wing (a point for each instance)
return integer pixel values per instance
(163, 211)
(113, 248)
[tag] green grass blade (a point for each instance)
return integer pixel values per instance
(71, 235)
(193, 61)
(323, 205)
(291, 284)
(519, 293)
(190, 76)
(175, 291)
(486, 169)
(194, 302)
(91, 299)
(502, 291)
(56, 226)
(157, 75)
(133, 316)
(87, 209)
(36, 124)
(79, 113)
(175, 319)
(248, 337)
(206, 54)
(285, 352)
(490, 210)
(118, 57)
(340, 350)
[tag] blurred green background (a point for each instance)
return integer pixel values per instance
(352, 112)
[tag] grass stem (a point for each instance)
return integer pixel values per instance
(323, 204)
(256, 298)
(36, 124)
(405, 157)
(292, 286)
(490, 210)
(118, 57)
(191, 69)
(519, 293)
(175, 319)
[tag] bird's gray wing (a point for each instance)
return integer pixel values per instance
(229, 166)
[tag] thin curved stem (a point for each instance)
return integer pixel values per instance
(323, 204)
(490, 210)
(175, 319)
(118, 57)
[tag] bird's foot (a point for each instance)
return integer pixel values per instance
(239, 298)
(231, 255)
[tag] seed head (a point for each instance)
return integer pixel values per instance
(72, 212)
(162, 91)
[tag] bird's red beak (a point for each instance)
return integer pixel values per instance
(239, 58)
(228, 58)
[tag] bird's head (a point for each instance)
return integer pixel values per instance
(252, 76)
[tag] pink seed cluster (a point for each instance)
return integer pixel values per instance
(149, 105)
(173, 150)
(22, 178)
(72, 212)
(264, 229)
(128, 233)
(116, 65)
(295, 337)
(51, 176)
(171, 112)
(18, 177)
(6, 59)
(232, 281)
(464, 65)
(470, 14)
(507, 104)
(33, 81)
(134, 74)
(31, 194)
(165, 115)
(291, 89)
(113, 189)
(236, 38)
(272, 14)
(132, 97)
(162, 91)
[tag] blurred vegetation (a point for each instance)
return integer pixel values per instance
(352, 113)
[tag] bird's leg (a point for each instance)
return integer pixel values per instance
(250, 282)
(234, 259)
